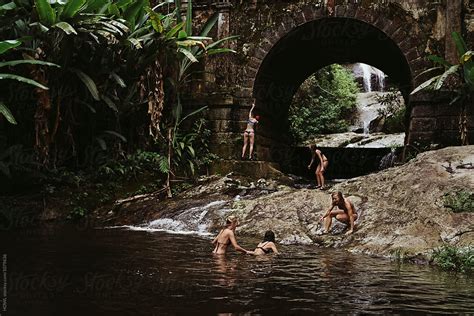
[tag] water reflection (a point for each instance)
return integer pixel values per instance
(225, 270)
(161, 274)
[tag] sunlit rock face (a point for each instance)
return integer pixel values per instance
(401, 210)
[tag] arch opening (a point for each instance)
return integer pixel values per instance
(309, 48)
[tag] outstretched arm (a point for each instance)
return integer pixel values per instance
(250, 113)
(312, 159)
(327, 213)
(234, 243)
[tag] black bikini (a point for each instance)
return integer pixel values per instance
(266, 251)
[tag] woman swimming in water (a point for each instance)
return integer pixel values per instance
(249, 133)
(322, 166)
(267, 245)
(226, 237)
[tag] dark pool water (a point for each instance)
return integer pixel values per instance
(65, 271)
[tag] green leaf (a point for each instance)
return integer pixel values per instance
(189, 18)
(217, 43)
(27, 61)
(460, 44)
(23, 79)
(102, 143)
(132, 12)
(93, 6)
(188, 54)
(6, 112)
(113, 9)
(425, 84)
(8, 44)
(171, 33)
(177, 5)
(41, 27)
(219, 51)
(191, 165)
(209, 24)
(45, 12)
(429, 70)
(182, 35)
(123, 3)
(155, 21)
(118, 79)
(191, 151)
(71, 8)
(118, 135)
(66, 27)
(439, 60)
(8, 6)
(445, 75)
(110, 103)
(193, 113)
(88, 82)
(190, 43)
(163, 165)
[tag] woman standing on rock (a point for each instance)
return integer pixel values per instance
(226, 237)
(322, 166)
(344, 213)
(249, 133)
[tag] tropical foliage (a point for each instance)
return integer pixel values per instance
(123, 69)
(323, 103)
(452, 258)
(464, 70)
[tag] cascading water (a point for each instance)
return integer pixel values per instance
(195, 220)
(366, 72)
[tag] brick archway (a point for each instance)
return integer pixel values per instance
(309, 40)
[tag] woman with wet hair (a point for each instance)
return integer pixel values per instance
(322, 166)
(267, 245)
(249, 133)
(226, 237)
(344, 212)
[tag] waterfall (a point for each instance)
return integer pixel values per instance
(367, 76)
(367, 72)
(380, 77)
(195, 220)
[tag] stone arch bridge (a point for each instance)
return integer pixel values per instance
(282, 42)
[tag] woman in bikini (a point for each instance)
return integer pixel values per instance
(267, 245)
(249, 133)
(226, 237)
(322, 166)
(344, 213)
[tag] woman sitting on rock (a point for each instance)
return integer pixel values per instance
(344, 213)
(267, 245)
(226, 237)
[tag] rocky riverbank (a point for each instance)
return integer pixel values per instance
(404, 211)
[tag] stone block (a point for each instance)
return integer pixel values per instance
(340, 10)
(417, 138)
(445, 109)
(219, 113)
(423, 111)
(447, 123)
(423, 124)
